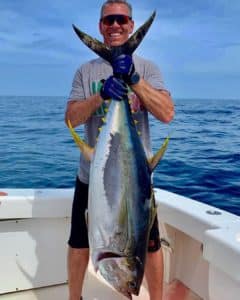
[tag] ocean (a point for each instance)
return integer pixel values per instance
(202, 161)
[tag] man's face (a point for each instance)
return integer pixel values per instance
(114, 33)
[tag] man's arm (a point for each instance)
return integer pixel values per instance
(157, 102)
(78, 111)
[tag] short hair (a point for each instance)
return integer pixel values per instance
(116, 1)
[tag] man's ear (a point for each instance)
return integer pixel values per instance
(100, 27)
(131, 26)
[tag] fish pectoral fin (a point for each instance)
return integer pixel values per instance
(153, 211)
(153, 161)
(86, 150)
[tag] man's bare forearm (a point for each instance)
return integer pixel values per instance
(78, 111)
(157, 102)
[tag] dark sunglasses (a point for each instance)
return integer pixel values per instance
(120, 19)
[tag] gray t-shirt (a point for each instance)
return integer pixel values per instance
(87, 82)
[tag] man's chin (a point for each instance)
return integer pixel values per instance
(115, 43)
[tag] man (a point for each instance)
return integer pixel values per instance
(88, 98)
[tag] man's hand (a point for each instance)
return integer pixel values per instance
(123, 67)
(114, 88)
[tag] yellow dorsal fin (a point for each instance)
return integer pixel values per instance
(86, 150)
(153, 161)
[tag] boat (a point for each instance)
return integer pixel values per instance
(201, 246)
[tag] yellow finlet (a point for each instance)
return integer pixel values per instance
(153, 161)
(86, 150)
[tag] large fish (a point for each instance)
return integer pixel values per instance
(121, 205)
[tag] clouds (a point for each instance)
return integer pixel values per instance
(191, 41)
(200, 44)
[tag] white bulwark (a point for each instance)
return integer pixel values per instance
(201, 247)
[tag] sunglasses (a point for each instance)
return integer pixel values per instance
(120, 19)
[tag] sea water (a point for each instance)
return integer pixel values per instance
(202, 161)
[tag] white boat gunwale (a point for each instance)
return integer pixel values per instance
(215, 235)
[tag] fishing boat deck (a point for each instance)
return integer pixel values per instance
(97, 289)
(177, 290)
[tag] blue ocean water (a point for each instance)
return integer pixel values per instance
(202, 161)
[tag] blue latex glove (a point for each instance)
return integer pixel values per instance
(123, 67)
(114, 88)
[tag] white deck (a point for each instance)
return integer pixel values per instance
(203, 252)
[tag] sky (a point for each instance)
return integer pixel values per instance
(195, 43)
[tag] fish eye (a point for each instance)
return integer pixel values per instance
(132, 285)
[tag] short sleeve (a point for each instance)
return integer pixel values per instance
(154, 76)
(77, 91)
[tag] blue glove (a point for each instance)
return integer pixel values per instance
(123, 67)
(114, 88)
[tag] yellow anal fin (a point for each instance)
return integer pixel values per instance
(153, 161)
(86, 150)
